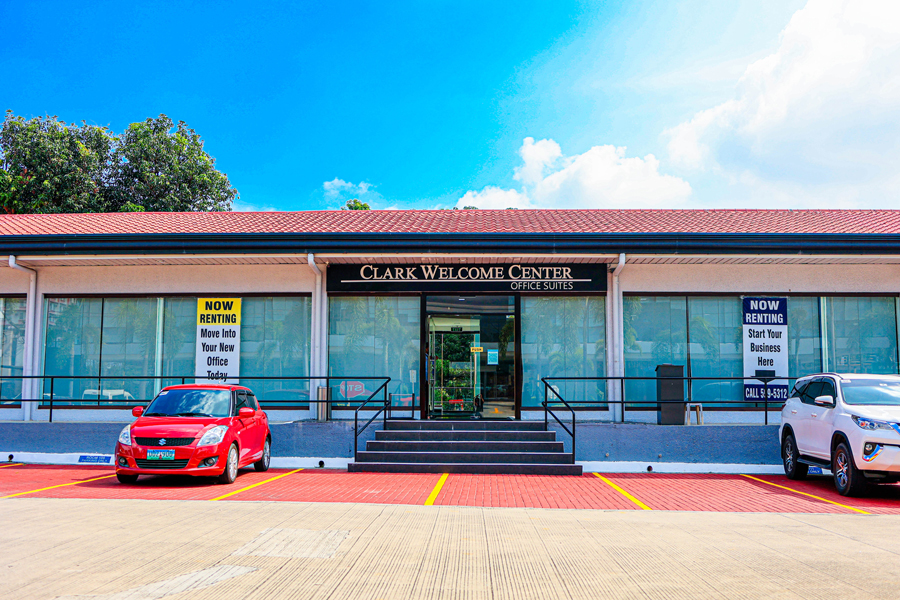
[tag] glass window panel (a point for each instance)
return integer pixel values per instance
(374, 336)
(655, 332)
(861, 334)
(12, 346)
(128, 348)
(72, 346)
(179, 347)
(564, 337)
(804, 341)
(716, 348)
(275, 338)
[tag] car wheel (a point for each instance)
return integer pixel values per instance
(123, 478)
(231, 466)
(263, 463)
(848, 480)
(789, 455)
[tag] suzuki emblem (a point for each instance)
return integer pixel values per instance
(162, 442)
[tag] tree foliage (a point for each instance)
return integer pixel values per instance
(355, 204)
(48, 166)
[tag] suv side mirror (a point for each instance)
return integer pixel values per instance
(137, 411)
(826, 401)
(246, 413)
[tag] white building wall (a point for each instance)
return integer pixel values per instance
(824, 279)
(158, 280)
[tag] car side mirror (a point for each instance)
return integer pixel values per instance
(246, 413)
(826, 401)
(137, 411)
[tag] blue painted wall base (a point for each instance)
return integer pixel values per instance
(722, 444)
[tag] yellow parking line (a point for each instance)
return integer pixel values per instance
(58, 486)
(437, 490)
(805, 494)
(11, 465)
(244, 489)
(623, 492)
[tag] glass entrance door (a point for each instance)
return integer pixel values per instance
(471, 357)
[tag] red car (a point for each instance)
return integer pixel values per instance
(205, 430)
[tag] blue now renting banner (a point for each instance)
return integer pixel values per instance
(765, 347)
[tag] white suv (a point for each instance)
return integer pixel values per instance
(845, 423)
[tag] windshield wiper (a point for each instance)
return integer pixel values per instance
(154, 414)
(192, 414)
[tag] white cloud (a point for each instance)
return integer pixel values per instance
(537, 157)
(602, 177)
(821, 115)
(337, 192)
(493, 197)
(338, 187)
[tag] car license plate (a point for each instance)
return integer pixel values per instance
(160, 455)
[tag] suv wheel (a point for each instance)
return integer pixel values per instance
(848, 480)
(789, 454)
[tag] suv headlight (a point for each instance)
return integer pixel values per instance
(125, 436)
(213, 436)
(870, 424)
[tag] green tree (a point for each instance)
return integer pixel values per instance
(355, 204)
(48, 166)
(157, 169)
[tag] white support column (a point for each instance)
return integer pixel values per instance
(323, 323)
(619, 340)
(316, 362)
(30, 389)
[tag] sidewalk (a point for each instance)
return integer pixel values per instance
(191, 550)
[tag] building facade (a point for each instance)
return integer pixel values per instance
(470, 314)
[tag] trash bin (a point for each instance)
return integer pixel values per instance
(323, 409)
(669, 395)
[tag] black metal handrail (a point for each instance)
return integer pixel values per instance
(765, 400)
(548, 411)
(50, 400)
(383, 409)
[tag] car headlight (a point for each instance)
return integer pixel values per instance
(870, 424)
(125, 436)
(213, 436)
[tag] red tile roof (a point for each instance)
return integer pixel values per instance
(463, 221)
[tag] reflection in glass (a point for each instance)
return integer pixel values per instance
(655, 329)
(861, 334)
(275, 343)
(12, 346)
(373, 336)
(564, 337)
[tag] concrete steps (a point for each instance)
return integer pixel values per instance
(474, 446)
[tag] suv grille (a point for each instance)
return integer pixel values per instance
(160, 464)
(154, 441)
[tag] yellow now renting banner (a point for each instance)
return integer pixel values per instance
(218, 340)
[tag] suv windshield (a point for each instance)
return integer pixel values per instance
(190, 403)
(883, 392)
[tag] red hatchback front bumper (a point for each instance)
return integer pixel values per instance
(188, 460)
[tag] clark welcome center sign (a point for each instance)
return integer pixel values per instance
(489, 278)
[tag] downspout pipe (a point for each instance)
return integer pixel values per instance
(28, 361)
(617, 337)
(316, 362)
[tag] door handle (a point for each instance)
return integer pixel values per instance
(793, 412)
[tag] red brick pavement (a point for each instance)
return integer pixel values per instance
(531, 491)
(718, 493)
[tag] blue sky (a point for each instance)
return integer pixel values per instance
(527, 104)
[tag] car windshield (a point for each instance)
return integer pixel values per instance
(190, 403)
(882, 392)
